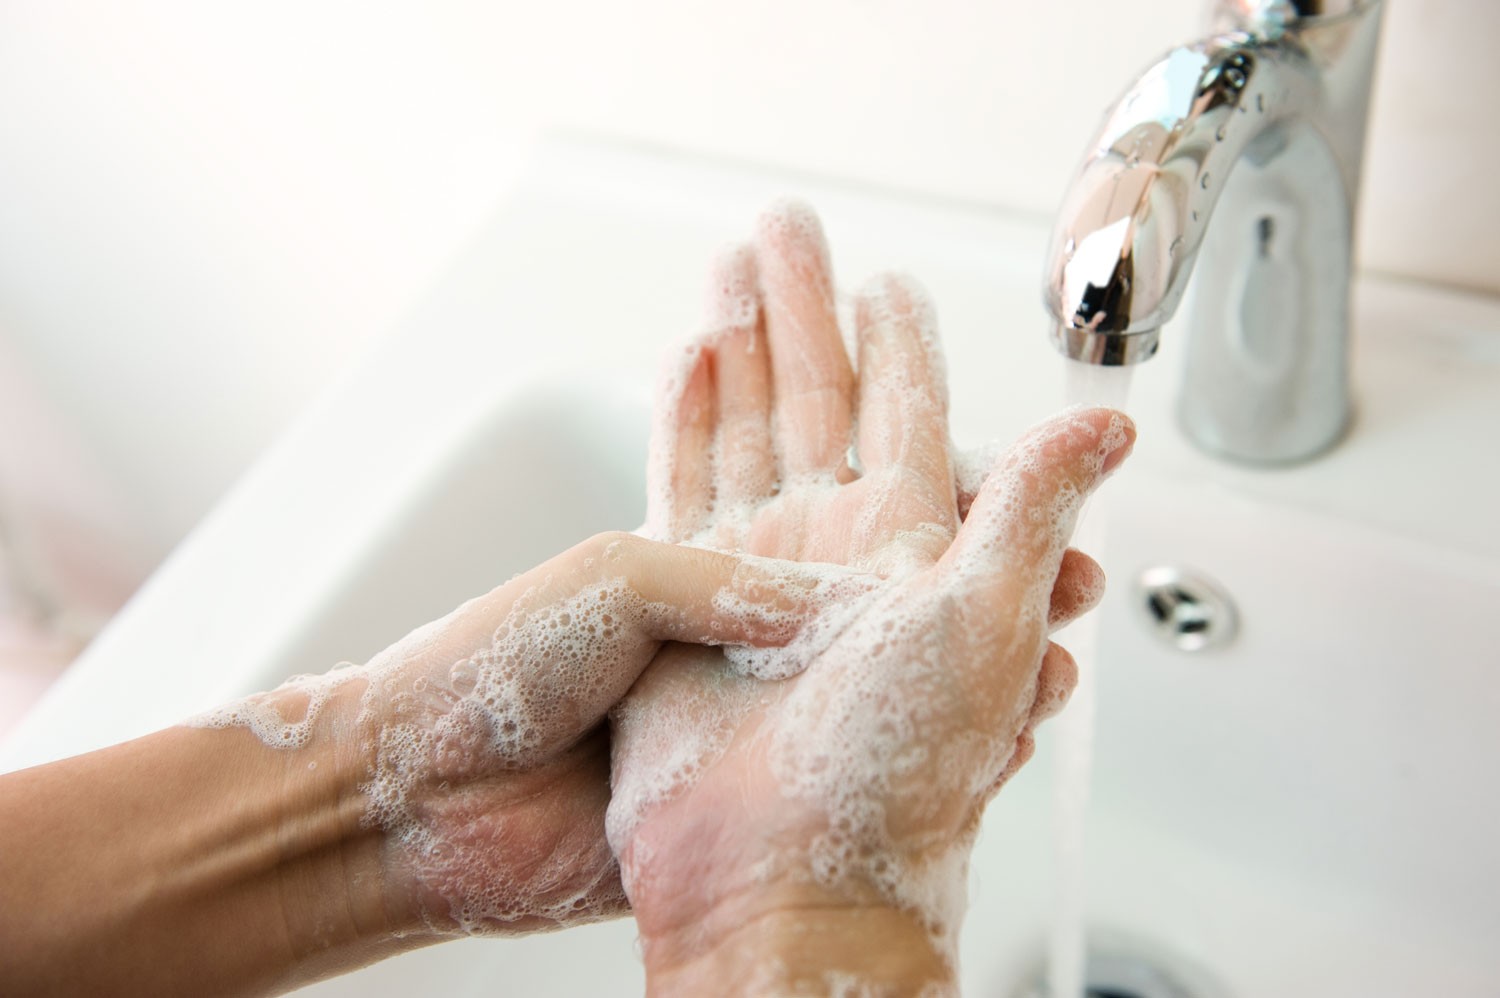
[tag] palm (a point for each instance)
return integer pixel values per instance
(749, 455)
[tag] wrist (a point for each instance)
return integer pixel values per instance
(801, 946)
(336, 893)
(339, 889)
(323, 859)
(720, 910)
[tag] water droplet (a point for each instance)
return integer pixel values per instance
(1195, 216)
(1234, 77)
(1176, 244)
(1204, 182)
(1219, 135)
(1260, 103)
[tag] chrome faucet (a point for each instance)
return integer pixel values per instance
(1237, 158)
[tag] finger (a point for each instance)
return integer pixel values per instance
(813, 384)
(1055, 682)
(548, 653)
(655, 591)
(903, 391)
(698, 596)
(1019, 525)
(679, 469)
(742, 368)
(1078, 589)
(970, 470)
(1019, 756)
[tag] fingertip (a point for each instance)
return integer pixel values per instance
(694, 402)
(1080, 446)
(1079, 588)
(895, 305)
(795, 267)
(1055, 682)
(789, 225)
(1020, 755)
(812, 381)
(1123, 430)
(679, 468)
(903, 390)
(733, 292)
(746, 467)
(1025, 510)
(893, 291)
(971, 468)
(1024, 750)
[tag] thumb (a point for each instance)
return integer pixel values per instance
(1020, 522)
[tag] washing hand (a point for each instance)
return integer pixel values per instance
(801, 823)
(455, 784)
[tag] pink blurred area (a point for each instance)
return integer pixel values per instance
(69, 555)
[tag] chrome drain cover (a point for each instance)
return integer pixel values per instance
(1186, 609)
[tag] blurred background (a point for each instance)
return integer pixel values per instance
(207, 210)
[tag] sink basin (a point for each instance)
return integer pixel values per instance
(1305, 811)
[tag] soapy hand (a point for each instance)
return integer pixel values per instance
(819, 798)
(477, 743)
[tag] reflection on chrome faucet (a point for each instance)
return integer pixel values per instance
(1238, 159)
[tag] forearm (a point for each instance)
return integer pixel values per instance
(187, 862)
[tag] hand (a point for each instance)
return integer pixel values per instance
(760, 812)
(476, 748)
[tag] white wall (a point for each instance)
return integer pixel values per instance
(207, 208)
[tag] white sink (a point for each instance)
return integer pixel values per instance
(1304, 812)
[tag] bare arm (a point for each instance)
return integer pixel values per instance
(187, 862)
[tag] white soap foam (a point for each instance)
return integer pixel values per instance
(808, 610)
(285, 716)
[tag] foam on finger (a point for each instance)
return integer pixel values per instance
(1025, 512)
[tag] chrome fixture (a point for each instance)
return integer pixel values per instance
(1237, 158)
(1186, 609)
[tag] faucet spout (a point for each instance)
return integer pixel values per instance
(1231, 165)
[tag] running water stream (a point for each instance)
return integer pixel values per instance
(1073, 735)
